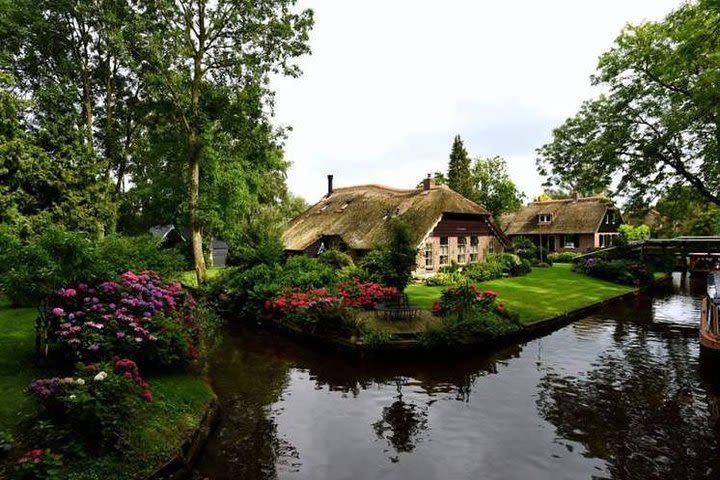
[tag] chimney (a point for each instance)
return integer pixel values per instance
(428, 182)
(576, 196)
(330, 186)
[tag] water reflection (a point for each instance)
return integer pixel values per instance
(618, 394)
(401, 424)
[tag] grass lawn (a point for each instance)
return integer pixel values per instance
(542, 294)
(176, 411)
(188, 277)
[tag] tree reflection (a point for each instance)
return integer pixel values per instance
(640, 408)
(402, 423)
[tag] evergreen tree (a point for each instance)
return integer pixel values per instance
(459, 169)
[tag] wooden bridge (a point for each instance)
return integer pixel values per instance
(696, 254)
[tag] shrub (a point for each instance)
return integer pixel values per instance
(374, 336)
(393, 266)
(365, 295)
(38, 464)
(242, 293)
(563, 257)
(446, 279)
(96, 403)
(313, 311)
(336, 260)
(31, 269)
(154, 323)
(626, 272)
(469, 315)
(305, 272)
(377, 265)
(482, 272)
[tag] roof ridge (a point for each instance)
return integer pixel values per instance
(571, 200)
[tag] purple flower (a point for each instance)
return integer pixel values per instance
(58, 312)
(94, 347)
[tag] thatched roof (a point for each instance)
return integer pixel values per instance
(581, 215)
(361, 215)
(648, 216)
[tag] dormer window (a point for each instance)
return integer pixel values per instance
(345, 205)
(544, 218)
(324, 207)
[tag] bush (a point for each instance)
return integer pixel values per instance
(336, 260)
(305, 272)
(563, 257)
(154, 323)
(469, 315)
(94, 404)
(482, 272)
(446, 279)
(626, 272)
(38, 464)
(393, 266)
(31, 269)
(365, 295)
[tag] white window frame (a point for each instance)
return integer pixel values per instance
(429, 261)
(474, 242)
(604, 237)
(545, 218)
(462, 250)
(444, 251)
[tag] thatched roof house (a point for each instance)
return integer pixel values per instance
(574, 224)
(357, 219)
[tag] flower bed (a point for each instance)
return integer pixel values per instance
(139, 317)
(321, 311)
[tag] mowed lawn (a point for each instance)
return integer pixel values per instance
(177, 409)
(542, 294)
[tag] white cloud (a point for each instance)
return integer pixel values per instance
(391, 82)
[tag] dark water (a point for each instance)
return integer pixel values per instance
(618, 394)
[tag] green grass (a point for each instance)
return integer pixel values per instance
(177, 409)
(542, 294)
(189, 279)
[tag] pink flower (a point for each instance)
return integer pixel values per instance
(58, 312)
(70, 292)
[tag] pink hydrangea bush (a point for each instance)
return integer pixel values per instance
(138, 317)
(95, 401)
(365, 295)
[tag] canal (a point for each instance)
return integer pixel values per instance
(617, 394)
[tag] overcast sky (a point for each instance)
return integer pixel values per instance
(391, 82)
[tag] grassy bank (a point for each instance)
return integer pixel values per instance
(188, 278)
(180, 401)
(542, 294)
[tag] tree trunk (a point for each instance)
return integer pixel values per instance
(194, 155)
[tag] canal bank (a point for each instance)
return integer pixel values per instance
(618, 393)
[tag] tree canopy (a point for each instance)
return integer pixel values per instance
(658, 124)
(492, 186)
(458, 176)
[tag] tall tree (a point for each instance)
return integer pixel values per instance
(195, 50)
(492, 186)
(458, 177)
(658, 125)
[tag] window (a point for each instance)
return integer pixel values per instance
(544, 218)
(461, 249)
(491, 247)
(444, 251)
(609, 217)
(473, 249)
(428, 255)
(571, 241)
(607, 239)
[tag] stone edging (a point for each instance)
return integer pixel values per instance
(180, 466)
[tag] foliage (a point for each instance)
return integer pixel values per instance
(153, 323)
(6, 443)
(458, 177)
(95, 403)
(563, 257)
(629, 233)
(393, 265)
(626, 272)
(446, 279)
(469, 315)
(336, 259)
(32, 268)
(527, 250)
(493, 188)
(375, 337)
(655, 128)
(302, 271)
(38, 464)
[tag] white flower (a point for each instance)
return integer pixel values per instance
(72, 397)
(100, 377)
(80, 381)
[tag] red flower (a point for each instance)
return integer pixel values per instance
(32, 456)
